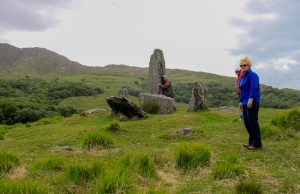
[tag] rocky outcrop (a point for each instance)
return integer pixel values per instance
(164, 104)
(156, 70)
(199, 97)
(124, 106)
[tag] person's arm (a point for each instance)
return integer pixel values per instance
(166, 85)
(253, 89)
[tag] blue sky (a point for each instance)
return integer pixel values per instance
(206, 35)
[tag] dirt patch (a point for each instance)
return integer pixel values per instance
(17, 173)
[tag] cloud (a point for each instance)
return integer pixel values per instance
(270, 38)
(29, 15)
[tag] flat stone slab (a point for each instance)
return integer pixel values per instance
(166, 104)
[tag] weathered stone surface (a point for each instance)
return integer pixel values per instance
(124, 106)
(182, 132)
(123, 93)
(166, 104)
(199, 97)
(156, 71)
(65, 149)
(91, 111)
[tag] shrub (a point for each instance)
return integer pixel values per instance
(227, 167)
(145, 166)
(190, 156)
(269, 131)
(21, 188)
(114, 126)
(29, 115)
(81, 173)
(248, 188)
(53, 164)
(67, 111)
(96, 139)
(7, 162)
(151, 107)
(116, 179)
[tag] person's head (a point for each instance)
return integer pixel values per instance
(164, 77)
(237, 71)
(245, 64)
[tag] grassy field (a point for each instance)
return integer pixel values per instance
(142, 157)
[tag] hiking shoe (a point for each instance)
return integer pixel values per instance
(253, 147)
(247, 145)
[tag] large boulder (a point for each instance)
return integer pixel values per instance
(199, 97)
(164, 104)
(124, 106)
(156, 71)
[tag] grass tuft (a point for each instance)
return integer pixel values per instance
(53, 164)
(21, 188)
(248, 188)
(151, 107)
(96, 139)
(7, 162)
(227, 167)
(189, 156)
(114, 126)
(79, 173)
(146, 166)
(290, 120)
(269, 130)
(116, 179)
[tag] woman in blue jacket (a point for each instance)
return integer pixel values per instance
(249, 101)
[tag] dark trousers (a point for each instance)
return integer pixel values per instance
(251, 124)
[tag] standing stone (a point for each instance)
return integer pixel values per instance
(156, 70)
(123, 92)
(199, 97)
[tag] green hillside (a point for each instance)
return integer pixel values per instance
(142, 157)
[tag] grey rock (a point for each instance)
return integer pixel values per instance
(199, 97)
(65, 149)
(156, 71)
(124, 106)
(166, 104)
(91, 111)
(123, 118)
(183, 132)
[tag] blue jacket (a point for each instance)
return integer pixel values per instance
(249, 86)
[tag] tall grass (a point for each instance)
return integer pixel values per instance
(248, 188)
(7, 162)
(52, 164)
(145, 166)
(80, 173)
(189, 156)
(98, 140)
(269, 130)
(227, 167)
(117, 179)
(21, 188)
(151, 107)
(290, 120)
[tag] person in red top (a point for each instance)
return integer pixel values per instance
(239, 74)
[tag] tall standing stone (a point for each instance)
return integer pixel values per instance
(123, 92)
(199, 97)
(156, 70)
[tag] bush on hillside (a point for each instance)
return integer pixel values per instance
(29, 115)
(67, 111)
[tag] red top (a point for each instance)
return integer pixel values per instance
(239, 77)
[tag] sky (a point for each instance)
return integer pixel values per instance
(199, 35)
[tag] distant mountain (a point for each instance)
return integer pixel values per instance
(36, 61)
